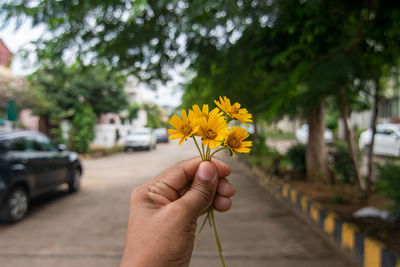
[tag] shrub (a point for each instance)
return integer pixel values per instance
(388, 183)
(340, 161)
(297, 158)
(265, 157)
(259, 146)
(82, 131)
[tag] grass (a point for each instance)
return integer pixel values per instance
(280, 135)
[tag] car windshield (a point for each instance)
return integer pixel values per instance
(160, 131)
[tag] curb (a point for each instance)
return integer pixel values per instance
(363, 250)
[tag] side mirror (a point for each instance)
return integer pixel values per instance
(61, 147)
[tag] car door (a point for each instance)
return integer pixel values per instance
(385, 142)
(25, 157)
(57, 161)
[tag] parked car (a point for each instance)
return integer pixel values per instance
(161, 135)
(30, 165)
(141, 138)
(387, 139)
(302, 135)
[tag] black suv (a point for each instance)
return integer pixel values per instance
(30, 165)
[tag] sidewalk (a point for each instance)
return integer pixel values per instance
(259, 231)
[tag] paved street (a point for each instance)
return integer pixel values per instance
(88, 228)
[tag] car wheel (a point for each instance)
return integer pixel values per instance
(75, 184)
(16, 205)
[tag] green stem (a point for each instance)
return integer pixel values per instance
(198, 148)
(216, 151)
(202, 225)
(204, 152)
(216, 237)
(208, 153)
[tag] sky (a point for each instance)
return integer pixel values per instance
(169, 95)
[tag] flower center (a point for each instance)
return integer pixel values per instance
(233, 142)
(234, 109)
(210, 134)
(186, 129)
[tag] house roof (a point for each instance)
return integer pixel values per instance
(2, 44)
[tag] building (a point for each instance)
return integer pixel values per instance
(111, 130)
(5, 55)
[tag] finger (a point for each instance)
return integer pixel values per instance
(178, 176)
(223, 169)
(222, 204)
(202, 191)
(225, 188)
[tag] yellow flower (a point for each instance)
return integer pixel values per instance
(212, 131)
(234, 111)
(234, 140)
(204, 113)
(185, 127)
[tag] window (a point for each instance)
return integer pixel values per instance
(42, 143)
(384, 131)
(23, 144)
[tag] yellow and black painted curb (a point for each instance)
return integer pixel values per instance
(364, 250)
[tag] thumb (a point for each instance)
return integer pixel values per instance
(201, 193)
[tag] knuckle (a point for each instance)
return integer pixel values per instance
(203, 192)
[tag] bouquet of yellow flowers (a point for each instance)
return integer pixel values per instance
(212, 127)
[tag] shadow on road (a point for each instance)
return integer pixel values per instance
(39, 203)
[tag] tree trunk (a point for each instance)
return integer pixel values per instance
(44, 125)
(344, 111)
(316, 153)
(371, 148)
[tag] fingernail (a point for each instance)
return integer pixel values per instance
(206, 171)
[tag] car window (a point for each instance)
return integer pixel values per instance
(5, 145)
(384, 131)
(44, 144)
(23, 144)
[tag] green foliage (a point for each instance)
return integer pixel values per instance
(264, 157)
(339, 199)
(259, 146)
(280, 135)
(341, 162)
(296, 155)
(57, 136)
(133, 110)
(388, 183)
(332, 116)
(153, 115)
(82, 129)
(62, 89)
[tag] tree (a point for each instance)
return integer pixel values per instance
(278, 57)
(133, 110)
(153, 115)
(59, 91)
(82, 131)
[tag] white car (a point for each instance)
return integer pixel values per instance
(140, 138)
(302, 135)
(387, 139)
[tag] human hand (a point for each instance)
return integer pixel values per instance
(164, 212)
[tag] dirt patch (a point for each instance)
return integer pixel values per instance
(343, 200)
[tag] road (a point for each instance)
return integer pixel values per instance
(88, 228)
